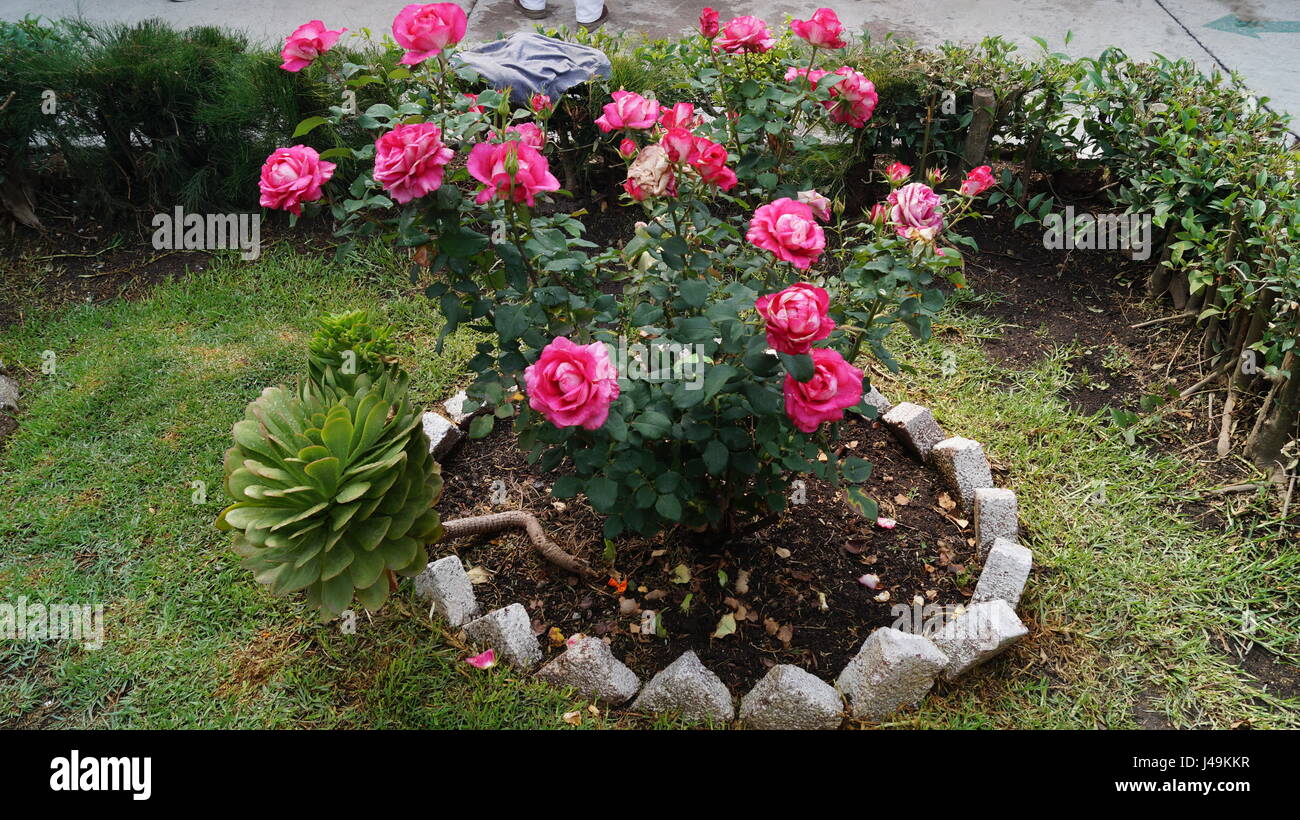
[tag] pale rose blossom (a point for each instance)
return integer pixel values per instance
(915, 205)
(835, 386)
(410, 159)
(652, 174)
(424, 30)
(572, 385)
(628, 110)
(821, 206)
(306, 43)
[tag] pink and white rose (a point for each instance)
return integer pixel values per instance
(788, 229)
(308, 41)
(410, 161)
(835, 386)
(822, 30)
(796, 317)
(628, 110)
(291, 176)
(821, 206)
(512, 171)
(425, 29)
(915, 206)
(572, 385)
(745, 34)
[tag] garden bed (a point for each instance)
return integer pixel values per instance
(774, 578)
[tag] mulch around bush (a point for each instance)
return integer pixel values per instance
(792, 589)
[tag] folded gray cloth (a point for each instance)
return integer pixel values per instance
(528, 63)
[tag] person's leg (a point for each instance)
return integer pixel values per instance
(589, 11)
(534, 9)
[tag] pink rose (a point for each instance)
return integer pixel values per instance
(796, 317)
(512, 171)
(709, 23)
(409, 161)
(879, 213)
(628, 110)
(680, 145)
(308, 41)
(527, 132)
(651, 174)
(627, 148)
(787, 228)
(473, 103)
(853, 99)
(745, 35)
(821, 206)
(915, 206)
(540, 103)
(572, 385)
(823, 29)
(681, 115)
(977, 181)
(835, 386)
(813, 76)
(292, 176)
(897, 172)
(424, 30)
(935, 175)
(711, 163)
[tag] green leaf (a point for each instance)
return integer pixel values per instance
(481, 426)
(715, 457)
(602, 493)
(861, 503)
(305, 127)
(669, 507)
(566, 486)
(855, 470)
(798, 365)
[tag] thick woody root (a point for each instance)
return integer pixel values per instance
(496, 522)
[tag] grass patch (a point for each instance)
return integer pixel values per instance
(1132, 603)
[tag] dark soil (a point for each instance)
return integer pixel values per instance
(792, 589)
(1051, 298)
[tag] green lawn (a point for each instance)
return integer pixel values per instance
(1130, 602)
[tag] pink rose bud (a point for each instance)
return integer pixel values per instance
(822, 30)
(681, 115)
(511, 171)
(787, 228)
(711, 163)
(572, 385)
(935, 175)
(473, 103)
(308, 41)
(898, 172)
(709, 23)
(410, 159)
(680, 145)
(540, 103)
(879, 213)
(424, 30)
(292, 176)
(977, 181)
(835, 386)
(628, 110)
(745, 35)
(796, 317)
(627, 148)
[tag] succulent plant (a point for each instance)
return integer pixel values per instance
(346, 345)
(332, 491)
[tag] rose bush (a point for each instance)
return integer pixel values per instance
(690, 375)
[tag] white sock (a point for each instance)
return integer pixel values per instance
(533, 5)
(588, 11)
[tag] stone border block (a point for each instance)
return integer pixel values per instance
(510, 632)
(997, 515)
(979, 634)
(787, 697)
(915, 427)
(963, 467)
(1005, 571)
(446, 585)
(893, 669)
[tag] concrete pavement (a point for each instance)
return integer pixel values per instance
(1259, 38)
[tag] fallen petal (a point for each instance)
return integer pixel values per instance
(485, 661)
(870, 581)
(886, 523)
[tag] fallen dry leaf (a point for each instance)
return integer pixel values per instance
(478, 575)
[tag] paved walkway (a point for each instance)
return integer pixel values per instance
(1259, 38)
